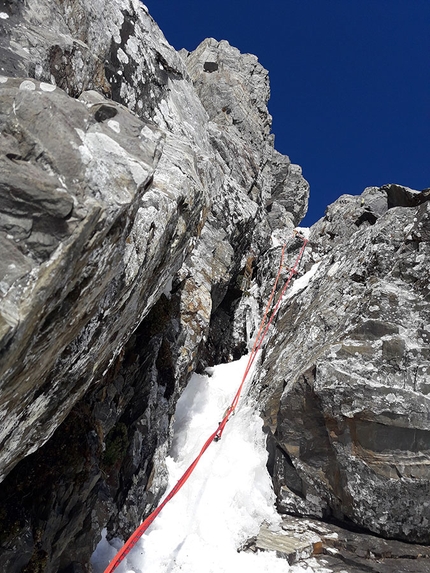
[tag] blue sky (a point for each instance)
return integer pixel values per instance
(350, 82)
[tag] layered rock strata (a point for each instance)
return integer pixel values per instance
(345, 378)
(333, 549)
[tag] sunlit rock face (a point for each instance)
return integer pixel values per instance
(347, 374)
(142, 205)
(133, 211)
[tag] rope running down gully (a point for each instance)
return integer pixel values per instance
(216, 435)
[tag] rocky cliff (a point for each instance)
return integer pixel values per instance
(140, 201)
(345, 379)
(138, 186)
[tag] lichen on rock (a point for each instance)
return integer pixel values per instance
(143, 206)
(131, 209)
(347, 393)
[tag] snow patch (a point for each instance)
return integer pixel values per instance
(45, 87)
(302, 282)
(304, 231)
(225, 500)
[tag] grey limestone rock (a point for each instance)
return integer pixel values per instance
(91, 236)
(142, 205)
(130, 210)
(234, 90)
(77, 183)
(338, 550)
(346, 376)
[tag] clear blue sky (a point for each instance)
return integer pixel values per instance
(350, 82)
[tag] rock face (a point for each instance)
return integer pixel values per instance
(132, 207)
(338, 550)
(346, 376)
(141, 202)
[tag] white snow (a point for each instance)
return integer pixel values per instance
(304, 231)
(45, 87)
(224, 501)
(301, 283)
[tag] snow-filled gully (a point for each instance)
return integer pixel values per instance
(224, 502)
(229, 494)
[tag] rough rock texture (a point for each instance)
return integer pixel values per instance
(347, 373)
(132, 207)
(141, 205)
(339, 550)
(91, 238)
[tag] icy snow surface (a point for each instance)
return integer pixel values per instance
(304, 231)
(302, 282)
(226, 498)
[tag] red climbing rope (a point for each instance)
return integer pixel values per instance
(263, 329)
(216, 435)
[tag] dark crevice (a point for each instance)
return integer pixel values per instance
(210, 67)
(366, 217)
(398, 196)
(105, 112)
(293, 480)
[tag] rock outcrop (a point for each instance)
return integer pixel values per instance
(327, 548)
(141, 205)
(133, 205)
(346, 376)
